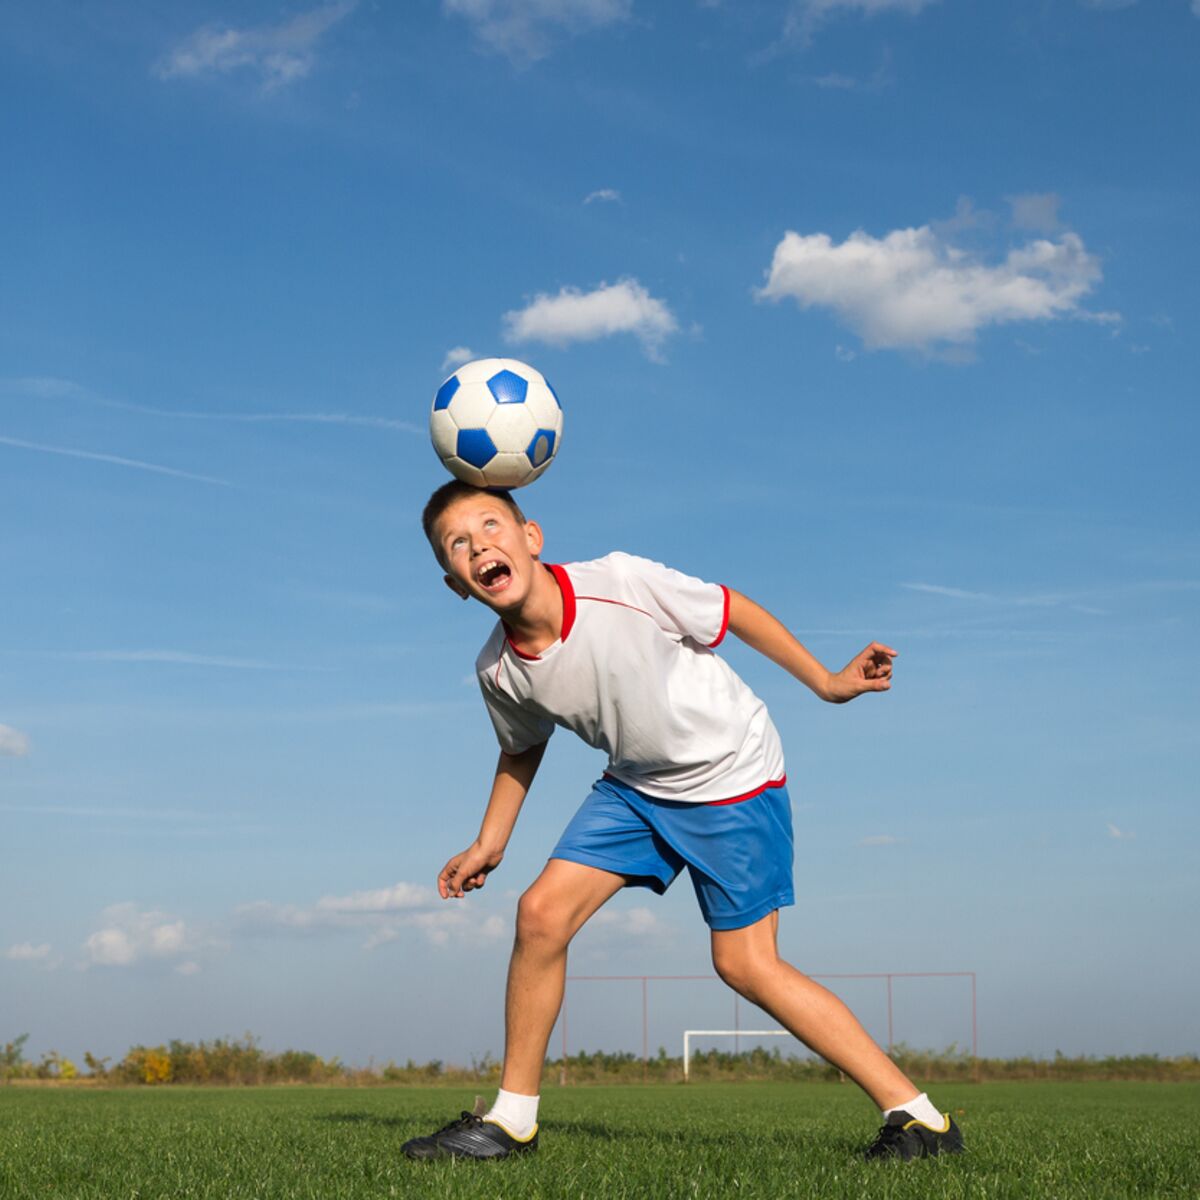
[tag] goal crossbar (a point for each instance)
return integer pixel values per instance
(688, 1034)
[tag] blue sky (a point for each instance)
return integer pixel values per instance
(881, 311)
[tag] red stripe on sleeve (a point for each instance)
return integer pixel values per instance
(724, 622)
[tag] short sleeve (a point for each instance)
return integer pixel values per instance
(680, 603)
(517, 729)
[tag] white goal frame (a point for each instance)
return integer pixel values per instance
(688, 1034)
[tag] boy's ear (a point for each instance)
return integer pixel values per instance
(456, 587)
(535, 539)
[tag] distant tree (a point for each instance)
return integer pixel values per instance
(13, 1057)
(97, 1066)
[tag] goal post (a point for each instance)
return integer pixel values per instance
(688, 1034)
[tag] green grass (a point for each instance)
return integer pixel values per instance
(772, 1140)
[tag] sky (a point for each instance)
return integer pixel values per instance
(879, 311)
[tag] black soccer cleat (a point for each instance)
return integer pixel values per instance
(907, 1138)
(469, 1137)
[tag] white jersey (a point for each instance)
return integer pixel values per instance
(634, 674)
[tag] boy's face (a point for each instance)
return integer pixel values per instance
(487, 552)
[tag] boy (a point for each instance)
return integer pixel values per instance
(620, 651)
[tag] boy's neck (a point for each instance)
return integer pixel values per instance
(538, 622)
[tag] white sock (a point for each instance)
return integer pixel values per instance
(515, 1114)
(924, 1111)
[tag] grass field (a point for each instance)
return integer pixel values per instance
(708, 1140)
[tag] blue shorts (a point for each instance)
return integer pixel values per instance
(739, 855)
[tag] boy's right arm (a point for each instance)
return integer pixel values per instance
(469, 870)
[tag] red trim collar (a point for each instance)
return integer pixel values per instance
(568, 594)
(568, 618)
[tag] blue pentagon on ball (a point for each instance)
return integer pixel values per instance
(541, 448)
(445, 393)
(508, 387)
(475, 447)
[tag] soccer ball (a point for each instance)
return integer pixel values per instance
(496, 423)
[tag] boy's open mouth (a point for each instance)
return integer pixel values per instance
(494, 575)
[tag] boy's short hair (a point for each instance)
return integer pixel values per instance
(450, 493)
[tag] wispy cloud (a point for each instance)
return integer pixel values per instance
(13, 743)
(1073, 601)
(51, 388)
(806, 16)
(1120, 834)
(28, 952)
(168, 815)
(115, 460)
(603, 196)
(936, 589)
(1036, 211)
(620, 924)
(883, 76)
(881, 839)
(277, 54)
(383, 914)
(527, 30)
(178, 657)
(914, 289)
(575, 316)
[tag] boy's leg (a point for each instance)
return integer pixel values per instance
(748, 960)
(549, 915)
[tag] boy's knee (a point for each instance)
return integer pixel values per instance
(743, 971)
(539, 917)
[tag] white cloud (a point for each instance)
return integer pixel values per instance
(456, 356)
(881, 839)
(384, 914)
(575, 316)
(1120, 834)
(378, 900)
(188, 968)
(603, 195)
(628, 922)
(912, 289)
(28, 952)
(618, 927)
(278, 54)
(131, 935)
(1037, 211)
(806, 15)
(526, 30)
(13, 743)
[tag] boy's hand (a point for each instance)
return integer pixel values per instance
(870, 671)
(467, 871)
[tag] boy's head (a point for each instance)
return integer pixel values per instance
(451, 493)
(483, 542)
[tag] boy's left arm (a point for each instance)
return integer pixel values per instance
(868, 671)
